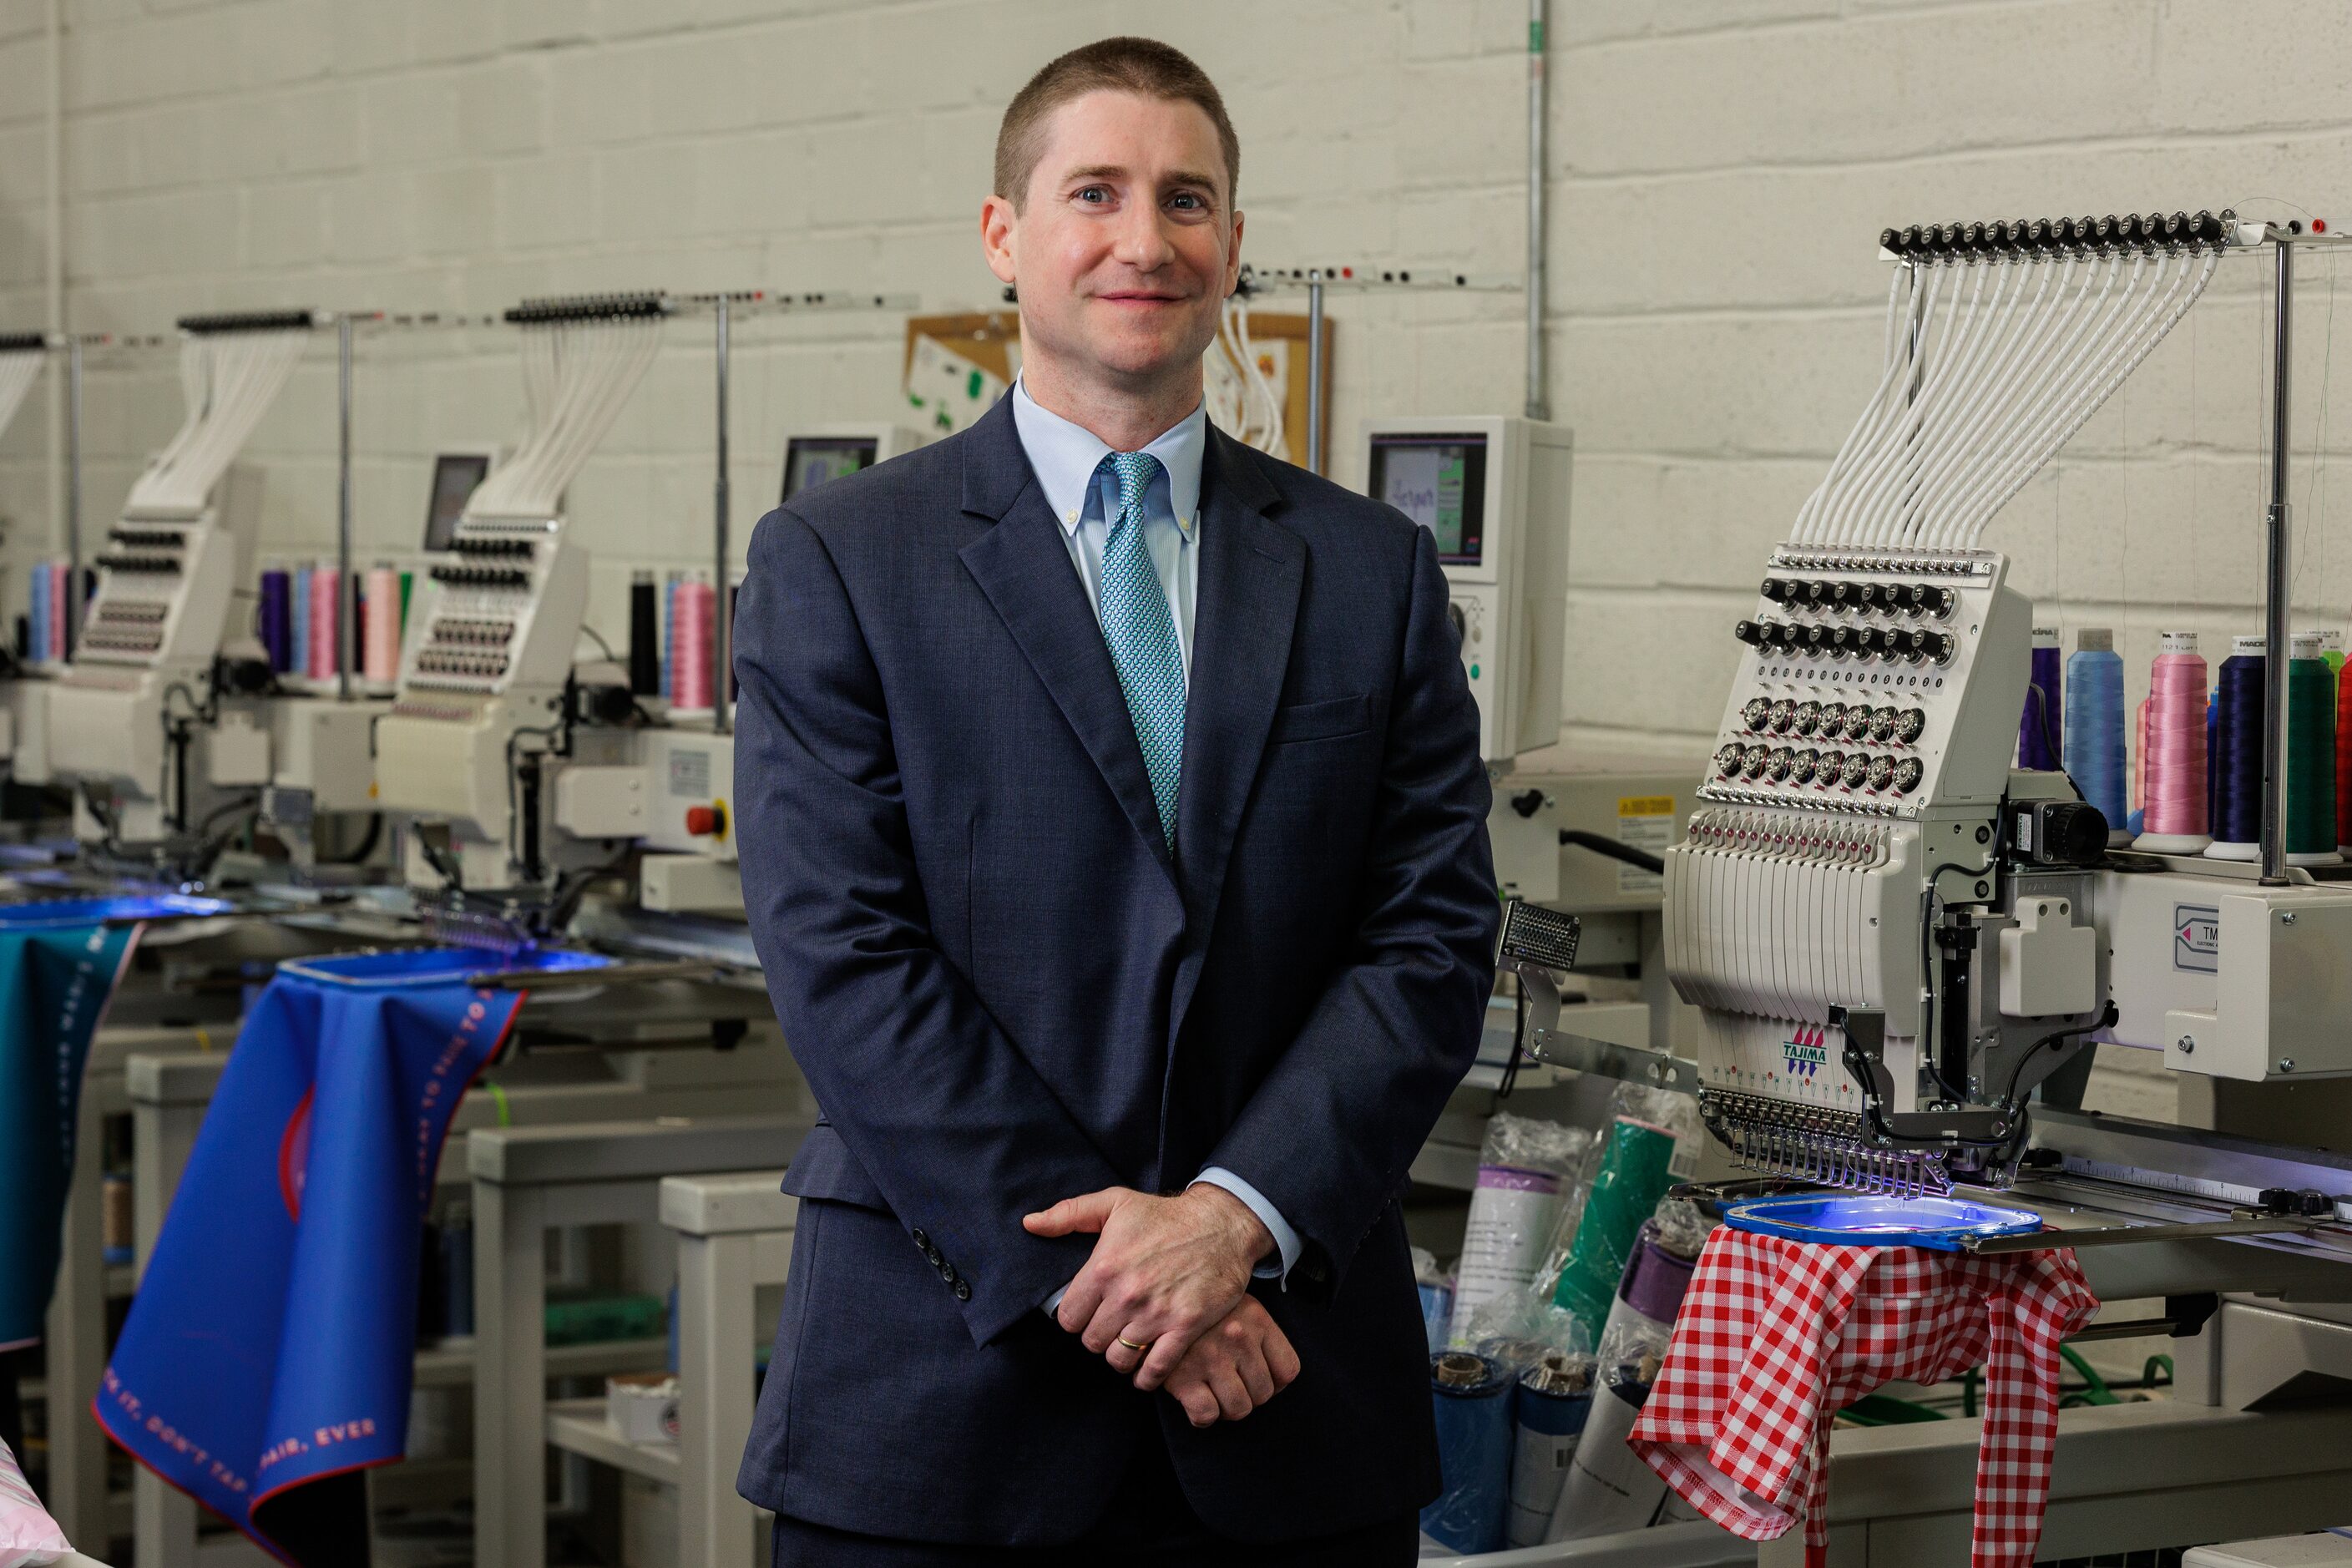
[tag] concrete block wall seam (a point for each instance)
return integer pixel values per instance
(1718, 169)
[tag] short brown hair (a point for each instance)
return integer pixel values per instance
(1142, 66)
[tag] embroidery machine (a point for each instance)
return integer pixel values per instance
(1893, 937)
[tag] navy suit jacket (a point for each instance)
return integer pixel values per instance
(1004, 990)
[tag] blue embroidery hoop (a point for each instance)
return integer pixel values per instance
(114, 908)
(399, 968)
(1849, 1219)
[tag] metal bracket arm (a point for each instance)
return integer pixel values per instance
(2136, 1235)
(1539, 945)
(1866, 1059)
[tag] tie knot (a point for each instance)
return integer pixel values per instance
(1134, 471)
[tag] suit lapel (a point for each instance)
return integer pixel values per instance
(1024, 567)
(1252, 570)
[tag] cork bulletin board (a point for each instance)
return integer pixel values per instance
(991, 340)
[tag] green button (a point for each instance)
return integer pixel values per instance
(1473, 673)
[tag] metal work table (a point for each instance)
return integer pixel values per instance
(661, 1089)
(527, 1181)
(2128, 1477)
(734, 1235)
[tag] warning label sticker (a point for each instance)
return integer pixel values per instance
(1645, 822)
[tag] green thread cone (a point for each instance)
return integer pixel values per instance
(2310, 755)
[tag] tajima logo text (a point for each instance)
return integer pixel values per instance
(1804, 1050)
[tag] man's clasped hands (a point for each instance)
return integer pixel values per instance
(1165, 1297)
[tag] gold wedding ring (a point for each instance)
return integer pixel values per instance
(1131, 1344)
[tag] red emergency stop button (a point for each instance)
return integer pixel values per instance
(706, 821)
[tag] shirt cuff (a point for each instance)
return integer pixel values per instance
(1054, 1302)
(1286, 1241)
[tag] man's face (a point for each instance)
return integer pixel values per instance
(1127, 245)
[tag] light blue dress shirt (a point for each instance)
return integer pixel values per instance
(1068, 461)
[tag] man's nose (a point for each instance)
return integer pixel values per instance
(1142, 240)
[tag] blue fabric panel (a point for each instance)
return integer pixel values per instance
(271, 1349)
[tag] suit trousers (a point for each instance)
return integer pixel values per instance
(1146, 1523)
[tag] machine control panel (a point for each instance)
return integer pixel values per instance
(162, 595)
(490, 593)
(1493, 495)
(1852, 686)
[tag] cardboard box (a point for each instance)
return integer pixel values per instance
(643, 1407)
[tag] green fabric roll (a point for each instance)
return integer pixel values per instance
(1633, 1176)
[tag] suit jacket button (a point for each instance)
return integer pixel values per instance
(948, 1273)
(922, 1241)
(963, 1290)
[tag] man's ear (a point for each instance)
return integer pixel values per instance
(1233, 258)
(997, 222)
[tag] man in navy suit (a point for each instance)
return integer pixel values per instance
(1113, 833)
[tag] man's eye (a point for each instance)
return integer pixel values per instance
(1095, 194)
(1187, 200)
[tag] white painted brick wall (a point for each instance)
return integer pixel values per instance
(1719, 170)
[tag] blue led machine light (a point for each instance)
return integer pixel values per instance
(1940, 1225)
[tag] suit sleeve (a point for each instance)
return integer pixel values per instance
(945, 1114)
(1328, 1135)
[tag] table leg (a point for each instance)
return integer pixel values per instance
(716, 1289)
(162, 1517)
(509, 1377)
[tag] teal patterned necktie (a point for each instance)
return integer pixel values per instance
(1141, 633)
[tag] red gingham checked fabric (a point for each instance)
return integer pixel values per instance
(1776, 1337)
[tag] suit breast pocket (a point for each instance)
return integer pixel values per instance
(1300, 722)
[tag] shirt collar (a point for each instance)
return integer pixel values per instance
(1064, 456)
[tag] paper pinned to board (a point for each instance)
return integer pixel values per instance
(947, 390)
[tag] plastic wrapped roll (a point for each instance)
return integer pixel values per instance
(1524, 1167)
(1608, 1488)
(1654, 1284)
(1474, 1452)
(1548, 1410)
(1634, 1175)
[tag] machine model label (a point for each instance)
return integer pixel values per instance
(689, 774)
(1805, 1050)
(2197, 938)
(1645, 822)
